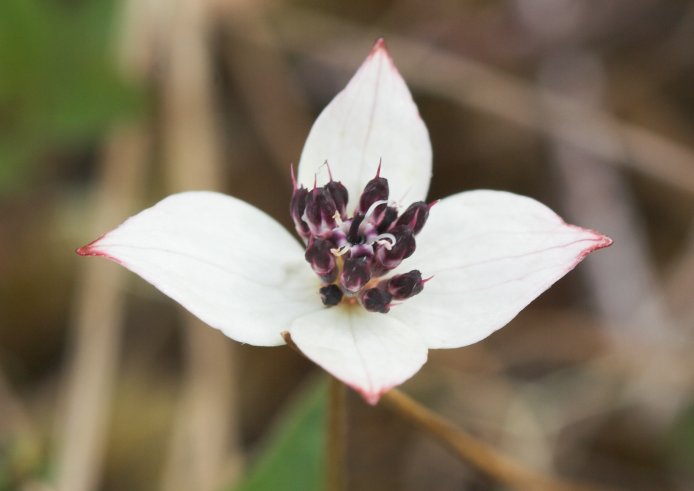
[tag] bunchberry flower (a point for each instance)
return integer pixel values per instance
(347, 292)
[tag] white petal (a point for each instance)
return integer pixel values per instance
(225, 261)
(369, 352)
(490, 253)
(374, 118)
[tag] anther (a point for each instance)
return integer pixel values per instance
(338, 192)
(297, 207)
(375, 190)
(322, 261)
(414, 217)
(388, 217)
(406, 285)
(356, 273)
(320, 210)
(376, 300)
(353, 234)
(361, 250)
(330, 295)
(403, 248)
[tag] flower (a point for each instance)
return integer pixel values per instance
(354, 309)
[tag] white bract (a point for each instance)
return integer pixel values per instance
(489, 253)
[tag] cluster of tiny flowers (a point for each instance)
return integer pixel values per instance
(352, 254)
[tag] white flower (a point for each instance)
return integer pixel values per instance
(489, 253)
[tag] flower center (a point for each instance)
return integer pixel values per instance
(352, 254)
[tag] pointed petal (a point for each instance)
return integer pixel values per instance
(490, 253)
(369, 352)
(374, 118)
(225, 261)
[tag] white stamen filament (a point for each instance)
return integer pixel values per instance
(386, 240)
(372, 209)
(340, 251)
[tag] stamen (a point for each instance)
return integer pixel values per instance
(352, 254)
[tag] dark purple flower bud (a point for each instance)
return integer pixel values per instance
(404, 247)
(376, 300)
(330, 295)
(320, 258)
(320, 210)
(339, 195)
(356, 273)
(406, 285)
(297, 206)
(414, 217)
(375, 190)
(386, 219)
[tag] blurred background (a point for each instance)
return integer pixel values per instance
(107, 106)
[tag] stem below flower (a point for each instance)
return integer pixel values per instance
(479, 454)
(336, 436)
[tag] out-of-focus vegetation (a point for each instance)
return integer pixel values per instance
(294, 457)
(586, 106)
(59, 86)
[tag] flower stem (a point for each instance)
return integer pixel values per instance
(485, 458)
(336, 436)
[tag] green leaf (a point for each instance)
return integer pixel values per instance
(59, 84)
(681, 440)
(294, 455)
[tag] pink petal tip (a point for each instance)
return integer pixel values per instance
(380, 49)
(601, 241)
(379, 45)
(91, 250)
(371, 397)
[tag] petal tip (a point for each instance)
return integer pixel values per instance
(91, 249)
(600, 241)
(604, 241)
(371, 397)
(379, 47)
(83, 251)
